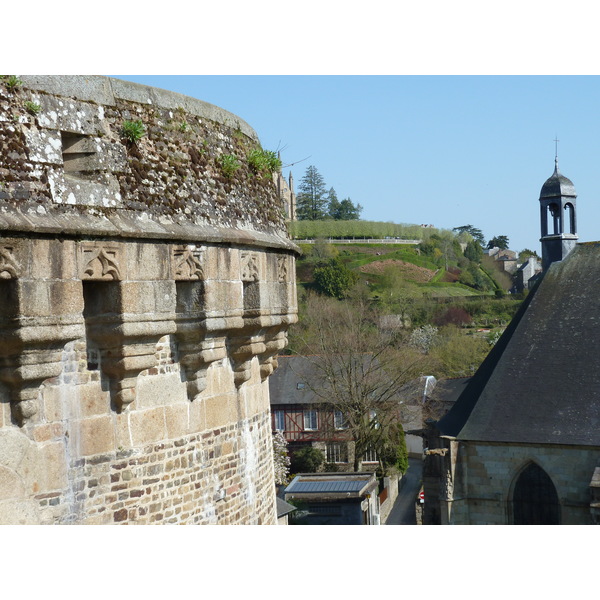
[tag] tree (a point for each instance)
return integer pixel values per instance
(527, 253)
(345, 210)
(500, 241)
(398, 295)
(334, 278)
(423, 338)
(307, 460)
(350, 211)
(360, 373)
(321, 250)
(333, 205)
(475, 233)
(281, 459)
(473, 251)
(456, 354)
(311, 200)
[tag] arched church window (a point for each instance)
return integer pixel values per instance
(535, 501)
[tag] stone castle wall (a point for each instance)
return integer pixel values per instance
(145, 292)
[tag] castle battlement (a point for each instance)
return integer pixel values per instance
(146, 286)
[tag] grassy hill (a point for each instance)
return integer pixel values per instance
(401, 279)
(376, 262)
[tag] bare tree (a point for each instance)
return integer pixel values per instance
(359, 372)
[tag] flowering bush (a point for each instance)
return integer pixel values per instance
(280, 458)
(424, 337)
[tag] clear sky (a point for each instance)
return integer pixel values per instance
(436, 112)
(440, 150)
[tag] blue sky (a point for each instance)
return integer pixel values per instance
(437, 112)
(446, 150)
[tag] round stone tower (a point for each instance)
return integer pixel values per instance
(147, 283)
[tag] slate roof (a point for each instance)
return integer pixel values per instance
(540, 384)
(292, 370)
(557, 185)
(449, 390)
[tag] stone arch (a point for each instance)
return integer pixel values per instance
(570, 218)
(554, 210)
(533, 499)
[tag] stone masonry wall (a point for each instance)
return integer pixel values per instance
(144, 297)
(489, 471)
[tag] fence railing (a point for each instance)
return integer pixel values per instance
(362, 241)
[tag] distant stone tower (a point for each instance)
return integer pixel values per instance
(558, 218)
(285, 189)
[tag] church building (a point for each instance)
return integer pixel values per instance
(522, 443)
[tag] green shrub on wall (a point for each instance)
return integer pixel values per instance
(133, 131)
(229, 164)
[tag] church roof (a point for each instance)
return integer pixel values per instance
(557, 185)
(540, 384)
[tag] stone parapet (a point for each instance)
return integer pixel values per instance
(144, 296)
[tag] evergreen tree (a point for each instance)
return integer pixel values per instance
(333, 205)
(348, 211)
(474, 252)
(475, 233)
(311, 200)
(500, 241)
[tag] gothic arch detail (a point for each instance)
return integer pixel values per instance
(188, 263)
(533, 498)
(100, 264)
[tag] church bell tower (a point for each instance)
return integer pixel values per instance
(558, 217)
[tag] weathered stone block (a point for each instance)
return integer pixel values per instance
(177, 420)
(93, 400)
(96, 435)
(147, 426)
(161, 390)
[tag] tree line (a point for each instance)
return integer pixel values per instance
(315, 203)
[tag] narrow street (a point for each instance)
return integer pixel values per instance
(403, 512)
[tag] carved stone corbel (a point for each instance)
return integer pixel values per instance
(196, 357)
(198, 348)
(125, 337)
(8, 264)
(275, 342)
(242, 350)
(31, 347)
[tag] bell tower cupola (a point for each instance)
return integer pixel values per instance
(558, 217)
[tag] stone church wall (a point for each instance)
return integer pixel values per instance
(145, 292)
(493, 468)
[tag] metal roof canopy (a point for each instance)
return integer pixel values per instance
(349, 484)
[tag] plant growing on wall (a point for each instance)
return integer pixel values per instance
(133, 131)
(273, 161)
(12, 82)
(229, 164)
(265, 162)
(32, 107)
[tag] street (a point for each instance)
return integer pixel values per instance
(403, 512)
